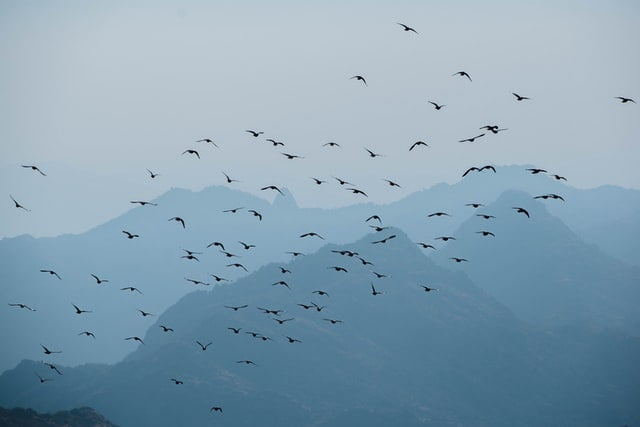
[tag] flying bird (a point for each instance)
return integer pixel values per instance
(234, 210)
(473, 168)
(47, 351)
(360, 78)
(218, 278)
(191, 152)
(321, 293)
(319, 308)
(178, 219)
(436, 105)
(196, 282)
(34, 168)
(494, 129)
(462, 74)
(52, 366)
(254, 133)
(282, 321)
(374, 292)
(256, 214)
(331, 144)
(486, 233)
(305, 306)
(428, 289)
(284, 270)
(333, 321)
(295, 254)
(364, 261)
(166, 328)
(624, 100)
(438, 214)
(202, 346)
(130, 235)
(376, 217)
(417, 143)
(131, 289)
(318, 181)
(456, 259)
(22, 306)
(274, 142)
(272, 187)
(208, 141)
(143, 203)
(407, 28)
(18, 205)
(235, 330)
(291, 340)
(445, 238)
(311, 234)
(379, 275)
(521, 210)
(474, 205)
(175, 381)
(135, 339)
(356, 191)
(99, 280)
(342, 181)
(229, 180)
(236, 308)
(145, 314)
(535, 171)
(372, 154)
(391, 183)
(518, 97)
(88, 334)
(281, 283)
(484, 216)
(238, 266)
(218, 244)
(246, 362)
(472, 139)
(43, 380)
(246, 246)
(291, 156)
(558, 177)
(337, 268)
(217, 408)
(78, 311)
(51, 272)
(425, 245)
(229, 254)
(385, 240)
(152, 174)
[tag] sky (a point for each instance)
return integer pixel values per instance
(96, 93)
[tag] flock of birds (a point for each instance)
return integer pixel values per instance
(374, 221)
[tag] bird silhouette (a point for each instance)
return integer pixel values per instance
(166, 328)
(191, 152)
(331, 144)
(550, 196)
(34, 168)
(333, 321)
(486, 233)
(428, 289)
(235, 330)
(456, 259)
(47, 351)
(372, 154)
(229, 180)
(218, 278)
(391, 183)
(196, 282)
(417, 143)
(559, 178)
(472, 139)
(476, 169)
(208, 141)
(281, 283)
(291, 156)
(319, 308)
(152, 174)
(462, 74)
(356, 191)
(135, 339)
(305, 306)
(376, 217)
(131, 289)
(425, 245)
(535, 171)
(229, 254)
(337, 268)
(192, 252)
(474, 205)
(26, 307)
(202, 346)
(385, 240)
(284, 270)
(78, 311)
(246, 246)
(253, 334)
(234, 210)
(321, 293)
(270, 311)
(256, 214)
(318, 181)
(272, 187)
(247, 362)
(379, 275)
(360, 78)
(311, 234)
(282, 321)
(254, 133)
(145, 314)
(178, 219)
(88, 334)
(438, 214)
(295, 254)
(218, 244)
(494, 129)
(364, 261)
(624, 100)
(52, 273)
(217, 408)
(342, 181)
(236, 308)
(18, 205)
(485, 216)
(175, 381)
(130, 235)
(238, 265)
(436, 105)
(407, 28)
(274, 142)
(291, 340)
(143, 203)
(521, 210)
(99, 280)
(374, 292)
(445, 238)
(518, 97)
(53, 367)
(43, 380)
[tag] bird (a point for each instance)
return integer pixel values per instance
(246, 362)
(436, 105)
(52, 273)
(238, 266)
(282, 321)
(208, 141)
(385, 240)
(175, 381)
(486, 233)
(217, 408)
(318, 181)
(130, 235)
(391, 183)
(202, 346)
(425, 245)
(518, 97)
(34, 168)
(254, 133)
(272, 187)
(462, 74)
(473, 168)
(178, 219)
(291, 156)
(337, 268)
(438, 214)
(253, 334)
(417, 143)
(270, 311)
(22, 306)
(47, 351)
(196, 282)
(229, 254)
(474, 205)
(256, 214)
(131, 289)
(364, 261)
(376, 217)
(456, 259)
(372, 154)
(558, 177)
(379, 275)
(275, 143)
(319, 308)
(152, 174)
(333, 321)
(166, 328)
(321, 293)
(192, 252)
(246, 246)
(218, 278)
(445, 238)
(143, 203)
(535, 171)
(347, 252)
(291, 340)
(484, 216)
(493, 128)
(521, 210)
(234, 210)
(145, 314)
(305, 306)
(281, 283)
(331, 144)
(342, 181)
(624, 100)
(428, 289)
(472, 139)
(284, 270)
(229, 180)
(356, 191)
(311, 234)
(550, 196)
(191, 152)
(374, 292)
(18, 205)
(295, 254)
(88, 334)
(360, 78)
(43, 380)
(235, 330)
(78, 311)
(218, 244)
(236, 308)
(135, 339)
(52, 366)
(407, 28)
(99, 280)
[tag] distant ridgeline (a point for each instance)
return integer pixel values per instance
(81, 417)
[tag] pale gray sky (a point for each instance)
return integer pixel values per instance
(96, 92)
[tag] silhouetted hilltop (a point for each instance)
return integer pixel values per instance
(81, 417)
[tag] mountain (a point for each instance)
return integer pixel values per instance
(542, 270)
(453, 356)
(81, 417)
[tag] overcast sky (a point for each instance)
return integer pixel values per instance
(97, 92)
